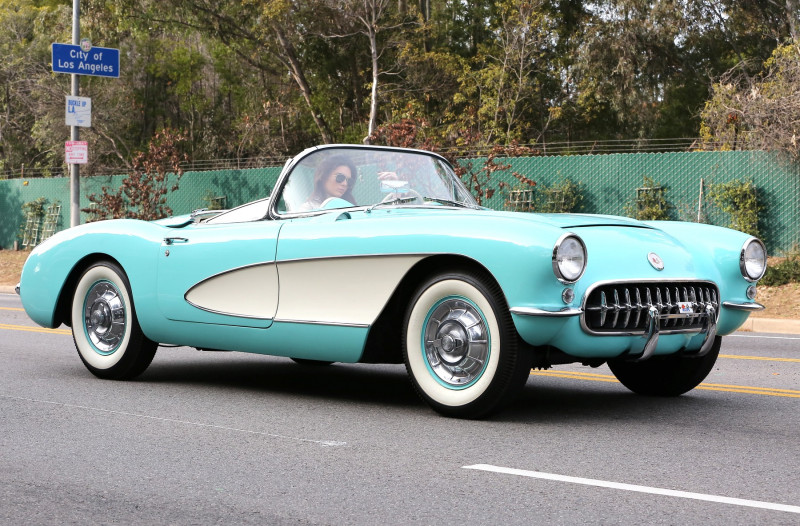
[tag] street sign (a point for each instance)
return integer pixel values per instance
(79, 111)
(76, 152)
(97, 61)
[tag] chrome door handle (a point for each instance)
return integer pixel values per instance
(173, 240)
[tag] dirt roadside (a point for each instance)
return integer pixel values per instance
(781, 302)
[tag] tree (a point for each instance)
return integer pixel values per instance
(758, 111)
(143, 194)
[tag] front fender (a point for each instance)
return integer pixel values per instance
(54, 265)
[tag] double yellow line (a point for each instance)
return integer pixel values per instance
(595, 377)
(28, 328)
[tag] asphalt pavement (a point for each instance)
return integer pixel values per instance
(235, 438)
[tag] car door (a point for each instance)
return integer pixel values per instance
(221, 274)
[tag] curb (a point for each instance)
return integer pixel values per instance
(773, 325)
(779, 326)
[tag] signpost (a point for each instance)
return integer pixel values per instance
(80, 58)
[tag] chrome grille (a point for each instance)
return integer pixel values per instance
(622, 307)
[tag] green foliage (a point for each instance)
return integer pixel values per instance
(566, 196)
(787, 271)
(32, 211)
(650, 203)
(267, 78)
(143, 194)
(35, 208)
(739, 199)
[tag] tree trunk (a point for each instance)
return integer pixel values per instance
(296, 71)
(373, 106)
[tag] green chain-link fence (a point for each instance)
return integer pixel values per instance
(607, 184)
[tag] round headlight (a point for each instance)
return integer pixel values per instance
(753, 260)
(569, 258)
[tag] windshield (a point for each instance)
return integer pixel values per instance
(352, 176)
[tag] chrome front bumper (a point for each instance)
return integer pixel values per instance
(16, 289)
(654, 319)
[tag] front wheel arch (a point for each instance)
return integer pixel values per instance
(64, 303)
(384, 339)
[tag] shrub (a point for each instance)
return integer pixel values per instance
(650, 203)
(739, 199)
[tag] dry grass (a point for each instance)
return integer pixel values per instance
(11, 266)
(781, 302)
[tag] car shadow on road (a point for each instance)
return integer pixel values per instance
(388, 385)
(368, 384)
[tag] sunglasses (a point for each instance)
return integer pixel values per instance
(342, 178)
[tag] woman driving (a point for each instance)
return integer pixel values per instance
(334, 177)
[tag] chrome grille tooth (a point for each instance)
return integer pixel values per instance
(602, 308)
(639, 307)
(616, 309)
(659, 303)
(628, 308)
(678, 301)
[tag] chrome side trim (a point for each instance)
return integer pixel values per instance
(212, 311)
(331, 323)
(377, 254)
(532, 311)
(752, 307)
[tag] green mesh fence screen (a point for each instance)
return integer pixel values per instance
(607, 184)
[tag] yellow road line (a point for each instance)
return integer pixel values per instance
(11, 308)
(594, 377)
(737, 357)
(33, 329)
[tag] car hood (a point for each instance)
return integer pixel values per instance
(587, 220)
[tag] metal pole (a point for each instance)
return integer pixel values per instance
(74, 175)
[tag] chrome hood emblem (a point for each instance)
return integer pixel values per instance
(655, 261)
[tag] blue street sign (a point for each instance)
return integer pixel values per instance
(97, 61)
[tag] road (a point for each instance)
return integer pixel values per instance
(204, 438)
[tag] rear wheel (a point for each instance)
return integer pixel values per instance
(104, 325)
(461, 348)
(670, 375)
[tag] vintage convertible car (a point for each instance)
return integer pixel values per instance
(381, 255)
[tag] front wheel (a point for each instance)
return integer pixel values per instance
(461, 348)
(104, 325)
(670, 375)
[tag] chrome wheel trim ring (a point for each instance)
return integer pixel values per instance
(455, 342)
(104, 317)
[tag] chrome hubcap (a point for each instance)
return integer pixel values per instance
(104, 317)
(456, 342)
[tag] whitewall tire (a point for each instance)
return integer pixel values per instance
(104, 326)
(460, 346)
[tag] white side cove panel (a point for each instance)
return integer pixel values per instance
(250, 292)
(344, 290)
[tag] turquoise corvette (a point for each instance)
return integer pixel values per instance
(381, 255)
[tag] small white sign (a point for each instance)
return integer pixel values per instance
(76, 152)
(79, 111)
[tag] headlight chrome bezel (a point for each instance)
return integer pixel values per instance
(744, 257)
(564, 242)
